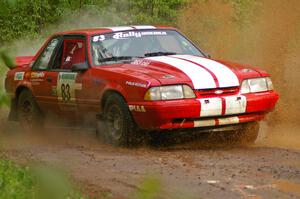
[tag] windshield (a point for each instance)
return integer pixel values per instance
(119, 46)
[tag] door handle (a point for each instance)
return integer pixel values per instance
(49, 79)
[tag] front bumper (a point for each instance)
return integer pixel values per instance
(203, 112)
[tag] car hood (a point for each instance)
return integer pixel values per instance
(198, 72)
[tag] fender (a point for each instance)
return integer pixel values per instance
(20, 86)
(112, 87)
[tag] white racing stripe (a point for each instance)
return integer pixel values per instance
(203, 123)
(124, 28)
(144, 27)
(210, 107)
(120, 28)
(200, 78)
(235, 104)
(221, 121)
(229, 120)
(225, 76)
(213, 106)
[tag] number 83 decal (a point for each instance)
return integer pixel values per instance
(66, 86)
(65, 92)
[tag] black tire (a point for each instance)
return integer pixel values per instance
(29, 113)
(116, 126)
(246, 135)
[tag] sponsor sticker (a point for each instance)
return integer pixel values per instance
(137, 84)
(54, 91)
(35, 75)
(141, 62)
(124, 35)
(168, 76)
(128, 34)
(19, 76)
(137, 108)
(67, 76)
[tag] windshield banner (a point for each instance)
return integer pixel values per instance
(130, 34)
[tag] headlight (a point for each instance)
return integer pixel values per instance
(169, 93)
(256, 85)
(269, 84)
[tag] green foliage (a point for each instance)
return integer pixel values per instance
(162, 12)
(150, 189)
(27, 18)
(7, 60)
(30, 183)
(20, 18)
(15, 182)
(242, 9)
(4, 99)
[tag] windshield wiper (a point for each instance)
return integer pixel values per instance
(116, 58)
(153, 54)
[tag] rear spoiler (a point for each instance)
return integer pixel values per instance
(23, 60)
(11, 63)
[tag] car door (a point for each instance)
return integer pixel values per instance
(42, 79)
(58, 88)
(72, 87)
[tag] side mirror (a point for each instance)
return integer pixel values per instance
(208, 56)
(31, 64)
(80, 67)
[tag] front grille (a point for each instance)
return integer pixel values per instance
(216, 91)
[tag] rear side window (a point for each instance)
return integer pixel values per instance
(44, 59)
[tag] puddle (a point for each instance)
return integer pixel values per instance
(287, 186)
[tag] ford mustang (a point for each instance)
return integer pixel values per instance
(137, 79)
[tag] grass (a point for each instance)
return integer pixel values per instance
(18, 182)
(42, 182)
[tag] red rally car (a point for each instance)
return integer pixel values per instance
(138, 78)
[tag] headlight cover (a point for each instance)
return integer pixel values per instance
(255, 85)
(169, 93)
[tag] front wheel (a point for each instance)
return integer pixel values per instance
(29, 114)
(116, 126)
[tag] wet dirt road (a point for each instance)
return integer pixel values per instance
(198, 169)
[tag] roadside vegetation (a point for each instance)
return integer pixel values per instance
(34, 182)
(21, 19)
(43, 182)
(8, 61)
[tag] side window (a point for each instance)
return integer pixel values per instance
(74, 53)
(44, 59)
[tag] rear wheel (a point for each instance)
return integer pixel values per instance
(116, 126)
(29, 114)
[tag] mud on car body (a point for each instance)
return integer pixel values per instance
(138, 78)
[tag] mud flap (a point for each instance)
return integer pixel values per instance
(13, 114)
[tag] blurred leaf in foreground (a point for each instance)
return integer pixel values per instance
(4, 99)
(7, 60)
(35, 182)
(149, 189)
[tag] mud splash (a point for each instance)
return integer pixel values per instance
(287, 186)
(268, 36)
